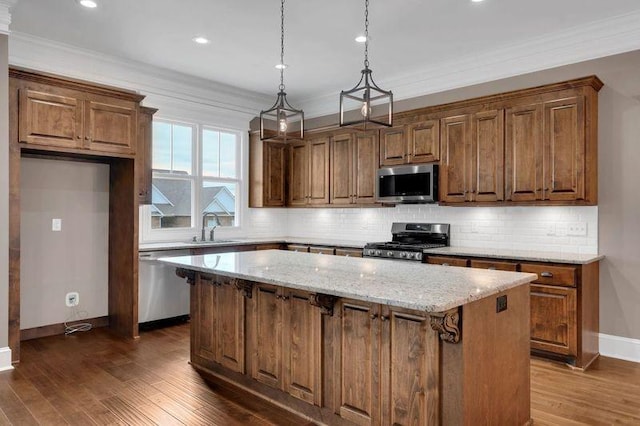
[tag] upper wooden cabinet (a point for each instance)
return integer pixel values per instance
(58, 113)
(354, 161)
(268, 161)
(416, 142)
(144, 155)
(309, 171)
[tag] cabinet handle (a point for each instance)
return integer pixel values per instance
(383, 318)
(86, 137)
(445, 264)
(546, 274)
(79, 137)
(374, 316)
(539, 189)
(473, 191)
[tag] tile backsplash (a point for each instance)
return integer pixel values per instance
(554, 229)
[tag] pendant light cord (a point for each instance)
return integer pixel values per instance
(282, 45)
(366, 33)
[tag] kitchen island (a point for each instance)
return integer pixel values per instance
(363, 341)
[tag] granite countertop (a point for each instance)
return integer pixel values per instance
(176, 245)
(412, 285)
(530, 255)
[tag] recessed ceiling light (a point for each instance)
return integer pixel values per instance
(281, 66)
(361, 39)
(476, 1)
(88, 3)
(201, 40)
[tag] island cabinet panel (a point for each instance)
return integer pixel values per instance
(553, 319)
(266, 356)
(410, 369)
(203, 320)
(230, 326)
(358, 385)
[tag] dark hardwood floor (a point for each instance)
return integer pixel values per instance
(96, 378)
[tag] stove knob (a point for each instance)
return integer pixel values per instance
(403, 254)
(409, 255)
(371, 252)
(378, 253)
(418, 256)
(390, 253)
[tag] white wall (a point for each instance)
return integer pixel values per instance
(74, 259)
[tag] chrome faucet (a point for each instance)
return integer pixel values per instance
(204, 225)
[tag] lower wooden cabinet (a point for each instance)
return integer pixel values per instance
(448, 261)
(553, 319)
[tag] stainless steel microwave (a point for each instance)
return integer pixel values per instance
(407, 184)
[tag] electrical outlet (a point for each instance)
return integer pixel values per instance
(56, 225)
(72, 299)
(577, 229)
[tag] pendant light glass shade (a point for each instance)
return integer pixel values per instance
(366, 104)
(281, 121)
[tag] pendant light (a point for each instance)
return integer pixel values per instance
(366, 94)
(281, 121)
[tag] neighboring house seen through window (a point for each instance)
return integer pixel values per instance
(195, 172)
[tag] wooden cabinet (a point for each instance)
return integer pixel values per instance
(354, 162)
(349, 252)
(144, 155)
(298, 247)
(218, 315)
(494, 265)
(553, 319)
(56, 117)
(472, 157)
(547, 142)
(309, 172)
(267, 171)
(388, 373)
(416, 142)
(448, 261)
(322, 250)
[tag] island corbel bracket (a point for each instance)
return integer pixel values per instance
(189, 275)
(245, 286)
(448, 324)
(324, 301)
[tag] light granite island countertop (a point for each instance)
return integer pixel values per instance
(411, 285)
(343, 341)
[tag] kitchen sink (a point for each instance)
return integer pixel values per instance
(214, 242)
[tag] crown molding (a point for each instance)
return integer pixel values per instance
(598, 39)
(40, 54)
(5, 15)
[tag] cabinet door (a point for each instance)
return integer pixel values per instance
(302, 360)
(494, 265)
(366, 166)
(487, 156)
(393, 146)
(298, 174)
(342, 169)
(50, 119)
(203, 321)
(455, 166)
(111, 126)
(319, 150)
(553, 319)
(144, 155)
(410, 369)
(358, 386)
(564, 146)
(274, 171)
(230, 327)
(523, 153)
(267, 355)
(448, 261)
(424, 141)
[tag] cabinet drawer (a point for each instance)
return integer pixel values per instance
(322, 250)
(269, 246)
(490, 264)
(349, 252)
(552, 275)
(448, 261)
(298, 247)
(553, 319)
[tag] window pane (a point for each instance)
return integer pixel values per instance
(161, 146)
(219, 199)
(210, 153)
(182, 144)
(228, 154)
(171, 203)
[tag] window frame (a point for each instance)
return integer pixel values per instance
(197, 179)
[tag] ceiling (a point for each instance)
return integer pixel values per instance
(407, 36)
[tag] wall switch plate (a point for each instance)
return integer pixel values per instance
(577, 229)
(56, 225)
(72, 299)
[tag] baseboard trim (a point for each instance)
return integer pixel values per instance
(620, 347)
(58, 329)
(5, 359)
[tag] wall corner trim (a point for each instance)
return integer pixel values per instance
(620, 347)
(5, 359)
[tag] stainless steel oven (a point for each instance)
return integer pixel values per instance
(407, 184)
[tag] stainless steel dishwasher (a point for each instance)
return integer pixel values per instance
(162, 294)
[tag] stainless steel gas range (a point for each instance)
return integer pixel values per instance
(410, 240)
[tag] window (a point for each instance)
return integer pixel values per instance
(196, 175)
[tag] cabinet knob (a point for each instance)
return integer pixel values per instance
(86, 138)
(491, 268)
(374, 316)
(445, 264)
(546, 274)
(79, 137)
(539, 189)
(383, 318)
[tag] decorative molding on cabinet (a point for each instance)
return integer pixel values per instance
(598, 39)
(5, 359)
(448, 325)
(5, 15)
(620, 347)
